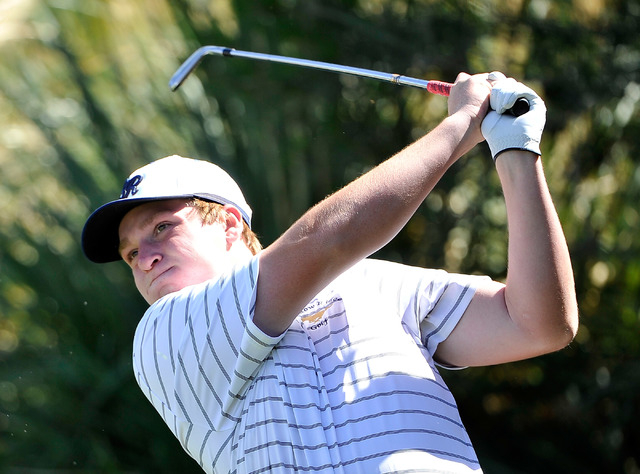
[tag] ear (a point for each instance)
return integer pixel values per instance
(233, 225)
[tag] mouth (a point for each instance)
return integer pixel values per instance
(156, 279)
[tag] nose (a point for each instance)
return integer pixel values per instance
(148, 257)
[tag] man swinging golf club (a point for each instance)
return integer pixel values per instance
(308, 355)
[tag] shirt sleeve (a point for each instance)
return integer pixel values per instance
(430, 302)
(442, 304)
(197, 350)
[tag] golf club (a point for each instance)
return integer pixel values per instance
(436, 87)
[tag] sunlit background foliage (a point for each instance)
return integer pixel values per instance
(84, 100)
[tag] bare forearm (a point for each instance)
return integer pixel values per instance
(353, 223)
(539, 293)
(378, 204)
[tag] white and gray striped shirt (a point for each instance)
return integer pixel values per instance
(350, 387)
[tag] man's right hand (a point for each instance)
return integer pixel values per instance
(469, 102)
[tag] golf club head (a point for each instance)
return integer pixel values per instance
(192, 62)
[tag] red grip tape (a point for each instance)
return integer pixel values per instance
(439, 87)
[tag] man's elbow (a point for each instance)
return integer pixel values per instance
(564, 329)
(566, 335)
(573, 324)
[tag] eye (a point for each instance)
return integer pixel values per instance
(131, 255)
(160, 227)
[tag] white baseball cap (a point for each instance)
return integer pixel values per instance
(167, 178)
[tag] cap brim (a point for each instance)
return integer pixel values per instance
(100, 237)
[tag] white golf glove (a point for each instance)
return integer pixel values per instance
(502, 130)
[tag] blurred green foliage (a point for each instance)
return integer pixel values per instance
(84, 100)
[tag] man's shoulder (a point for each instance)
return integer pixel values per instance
(373, 267)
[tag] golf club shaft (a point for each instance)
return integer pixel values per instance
(436, 87)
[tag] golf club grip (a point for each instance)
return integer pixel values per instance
(439, 87)
(444, 88)
(521, 107)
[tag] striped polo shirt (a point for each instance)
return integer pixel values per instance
(350, 387)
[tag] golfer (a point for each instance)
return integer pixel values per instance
(308, 356)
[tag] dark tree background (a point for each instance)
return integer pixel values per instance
(84, 100)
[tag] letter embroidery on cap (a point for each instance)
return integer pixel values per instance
(130, 187)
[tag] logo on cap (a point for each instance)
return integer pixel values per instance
(130, 187)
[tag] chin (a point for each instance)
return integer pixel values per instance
(156, 295)
(171, 286)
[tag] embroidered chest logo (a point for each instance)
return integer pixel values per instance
(130, 187)
(316, 320)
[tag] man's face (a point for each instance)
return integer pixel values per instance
(168, 248)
